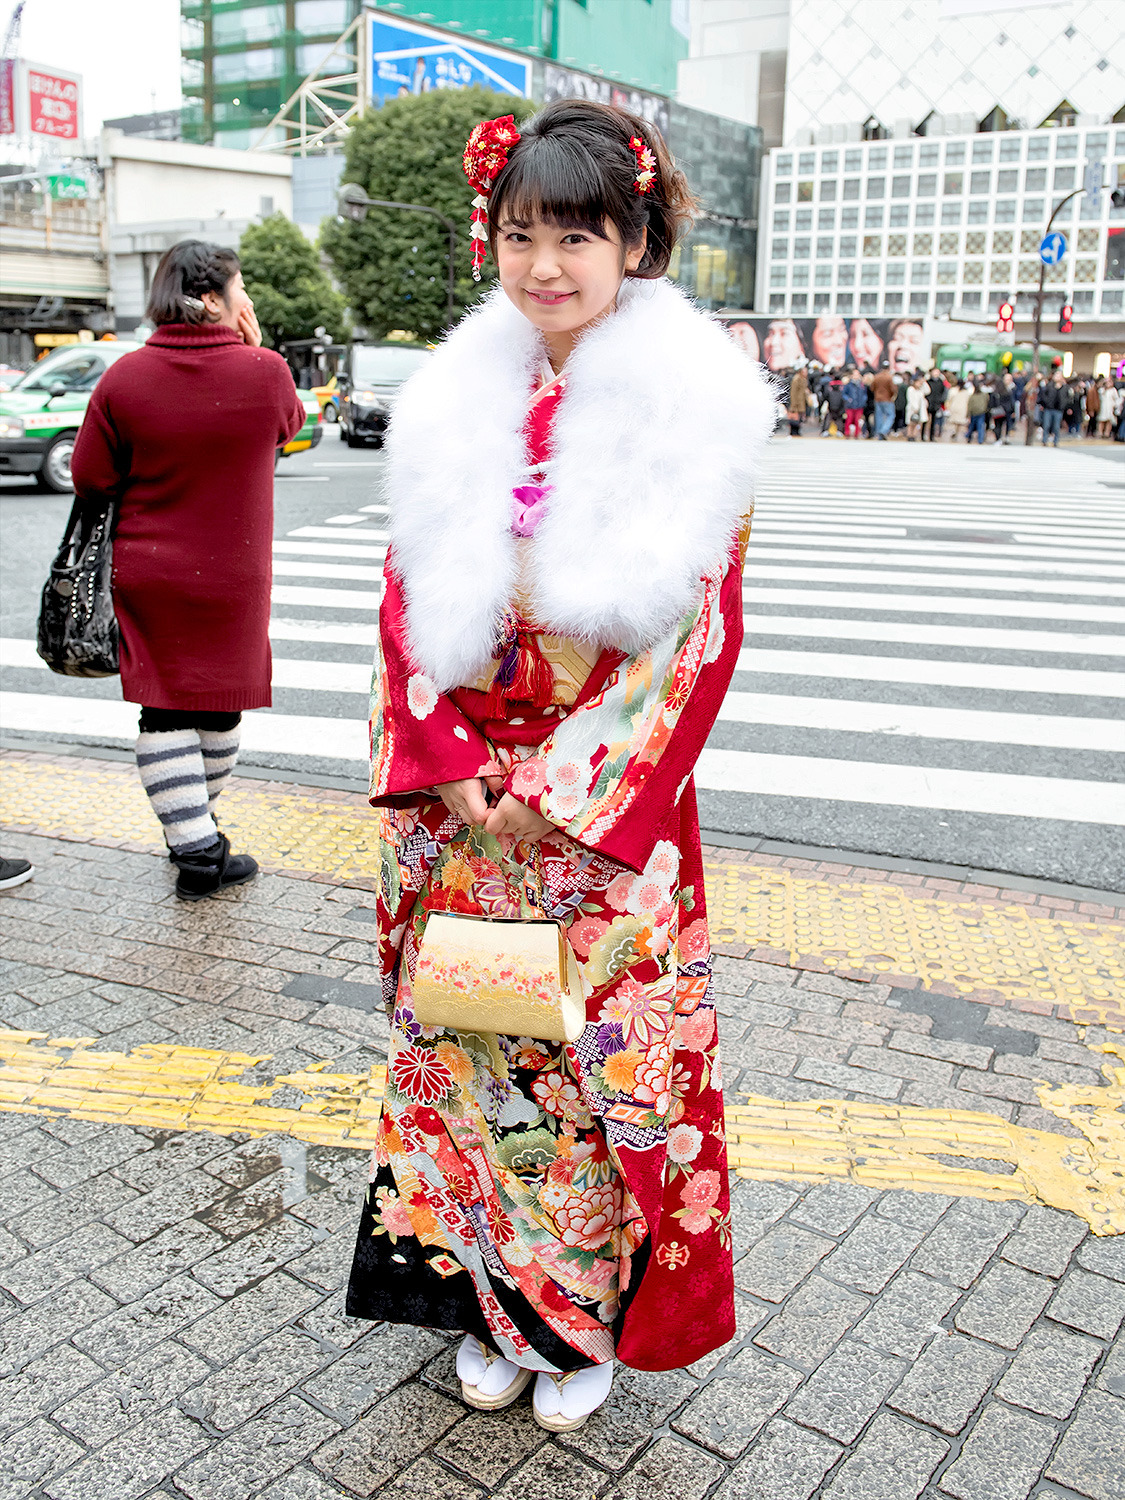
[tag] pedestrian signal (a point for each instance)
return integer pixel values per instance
(1004, 316)
(1066, 315)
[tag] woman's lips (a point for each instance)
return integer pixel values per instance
(549, 299)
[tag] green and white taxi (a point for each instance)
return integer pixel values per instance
(40, 416)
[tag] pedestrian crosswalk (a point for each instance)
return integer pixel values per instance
(931, 665)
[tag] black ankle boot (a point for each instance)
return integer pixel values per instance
(211, 870)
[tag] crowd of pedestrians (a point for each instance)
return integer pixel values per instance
(933, 405)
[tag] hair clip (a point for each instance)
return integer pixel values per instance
(646, 165)
(486, 156)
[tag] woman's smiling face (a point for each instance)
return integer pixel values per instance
(561, 279)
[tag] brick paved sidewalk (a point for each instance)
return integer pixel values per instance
(170, 1303)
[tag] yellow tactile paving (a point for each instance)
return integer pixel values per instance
(884, 1146)
(878, 926)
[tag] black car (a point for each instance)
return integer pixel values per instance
(369, 381)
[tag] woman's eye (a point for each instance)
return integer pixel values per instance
(515, 238)
(575, 239)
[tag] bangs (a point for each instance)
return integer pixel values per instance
(552, 180)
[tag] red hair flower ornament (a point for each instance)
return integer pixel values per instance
(486, 156)
(646, 165)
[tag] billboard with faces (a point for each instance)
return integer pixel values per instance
(831, 340)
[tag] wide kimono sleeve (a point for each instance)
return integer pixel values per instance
(613, 772)
(419, 738)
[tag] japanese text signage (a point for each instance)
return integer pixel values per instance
(52, 101)
(409, 59)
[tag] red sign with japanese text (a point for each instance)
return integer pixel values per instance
(52, 104)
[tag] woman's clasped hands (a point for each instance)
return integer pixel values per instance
(508, 819)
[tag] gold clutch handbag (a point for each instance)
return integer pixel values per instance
(514, 976)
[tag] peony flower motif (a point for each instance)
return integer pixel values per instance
(393, 1213)
(568, 775)
(420, 1075)
(646, 896)
(694, 1220)
(421, 695)
(653, 1085)
(697, 1031)
(556, 1094)
(584, 933)
(619, 891)
(457, 1060)
(587, 1220)
(684, 1143)
(565, 805)
(529, 778)
(702, 1190)
(664, 860)
(694, 942)
(620, 1070)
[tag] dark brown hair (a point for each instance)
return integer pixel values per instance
(185, 272)
(573, 167)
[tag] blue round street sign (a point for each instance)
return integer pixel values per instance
(1052, 248)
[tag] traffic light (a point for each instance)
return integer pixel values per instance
(1004, 318)
(1066, 314)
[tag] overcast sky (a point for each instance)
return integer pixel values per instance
(128, 51)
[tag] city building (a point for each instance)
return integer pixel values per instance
(947, 229)
(242, 59)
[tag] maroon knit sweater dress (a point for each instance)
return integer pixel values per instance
(183, 433)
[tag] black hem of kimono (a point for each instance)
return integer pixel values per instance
(393, 1282)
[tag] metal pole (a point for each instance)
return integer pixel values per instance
(1039, 298)
(354, 200)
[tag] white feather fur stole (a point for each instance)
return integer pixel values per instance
(656, 443)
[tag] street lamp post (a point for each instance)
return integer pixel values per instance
(1043, 274)
(353, 202)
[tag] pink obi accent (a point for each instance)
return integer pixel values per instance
(529, 506)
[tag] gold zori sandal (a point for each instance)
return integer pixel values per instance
(472, 1396)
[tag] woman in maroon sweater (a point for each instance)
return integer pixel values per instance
(183, 434)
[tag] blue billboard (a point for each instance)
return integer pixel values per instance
(409, 59)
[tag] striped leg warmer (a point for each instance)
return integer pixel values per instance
(171, 767)
(220, 751)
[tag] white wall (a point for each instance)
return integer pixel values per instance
(149, 181)
(728, 38)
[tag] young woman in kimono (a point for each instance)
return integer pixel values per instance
(570, 481)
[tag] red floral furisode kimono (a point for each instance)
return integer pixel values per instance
(566, 1204)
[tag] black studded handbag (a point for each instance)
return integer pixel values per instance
(77, 634)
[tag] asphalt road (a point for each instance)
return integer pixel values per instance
(932, 664)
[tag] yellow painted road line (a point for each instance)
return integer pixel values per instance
(883, 1146)
(971, 945)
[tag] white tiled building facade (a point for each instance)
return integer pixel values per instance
(941, 226)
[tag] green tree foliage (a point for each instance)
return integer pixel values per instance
(393, 266)
(292, 294)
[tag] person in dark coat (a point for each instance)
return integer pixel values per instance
(183, 435)
(936, 389)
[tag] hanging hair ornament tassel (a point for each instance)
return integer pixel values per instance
(646, 165)
(486, 156)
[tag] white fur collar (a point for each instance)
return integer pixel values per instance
(656, 444)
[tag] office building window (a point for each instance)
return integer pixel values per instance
(1010, 148)
(949, 244)
(1097, 143)
(845, 274)
(900, 186)
(1111, 301)
(927, 184)
(904, 156)
(1033, 210)
(1002, 242)
(806, 162)
(896, 244)
(781, 221)
(1119, 143)
(877, 159)
(1083, 302)
(892, 302)
(1029, 272)
(899, 215)
(872, 246)
(778, 275)
(828, 191)
(1066, 146)
(947, 273)
(1005, 211)
(800, 302)
(1007, 180)
(1029, 240)
(849, 218)
(928, 155)
(876, 187)
(979, 182)
(982, 151)
(954, 153)
(978, 211)
(970, 300)
(853, 160)
(1035, 179)
(1088, 239)
(919, 302)
(823, 276)
(826, 218)
(1000, 273)
(821, 302)
(824, 247)
(873, 217)
(953, 184)
(974, 243)
(779, 250)
(924, 213)
(851, 188)
(951, 213)
(943, 303)
(800, 276)
(973, 272)
(803, 219)
(869, 274)
(923, 244)
(782, 192)
(1085, 270)
(1038, 147)
(1064, 179)
(869, 302)
(829, 161)
(800, 249)
(784, 166)
(847, 246)
(777, 302)
(844, 303)
(920, 273)
(804, 191)
(895, 274)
